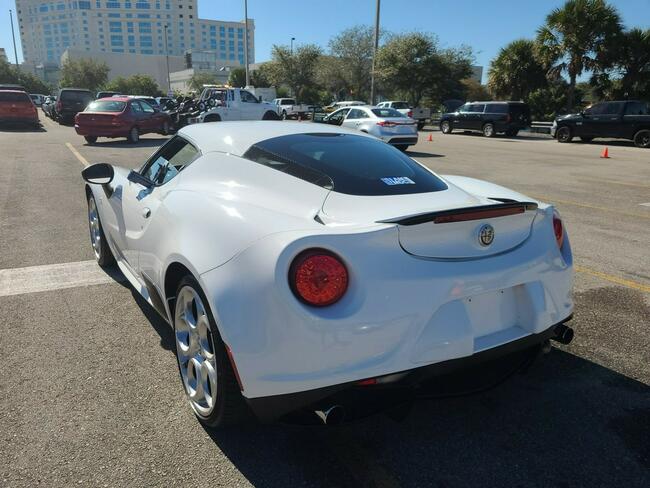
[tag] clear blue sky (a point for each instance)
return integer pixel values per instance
(485, 26)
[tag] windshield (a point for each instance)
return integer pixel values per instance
(386, 113)
(106, 106)
(401, 105)
(345, 163)
(76, 96)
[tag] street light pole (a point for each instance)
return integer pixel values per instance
(374, 56)
(292, 39)
(13, 36)
(248, 81)
(169, 83)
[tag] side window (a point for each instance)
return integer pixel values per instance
(464, 109)
(598, 109)
(496, 108)
(248, 97)
(477, 108)
(636, 108)
(146, 108)
(354, 114)
(612, 108)
(169, 161)
(136, 107)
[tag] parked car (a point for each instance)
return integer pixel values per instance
(233, 104)
(69, 102)
(106, 94)
(386, 124)
(37, 98)
(287, 108)
(337, 105)
(120, 117)
(48, 105)
(16, 107)
(318, 270)
(490, 118)
(617, 120)
(421, 114)
(150, 100)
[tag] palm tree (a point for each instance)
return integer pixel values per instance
(575, 38)
(633, 63)
(516, 71)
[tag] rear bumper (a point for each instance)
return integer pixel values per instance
(399, 140)
(101, 131)
(20, 120)
(358, 400)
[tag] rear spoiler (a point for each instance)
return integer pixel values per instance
(464, 214)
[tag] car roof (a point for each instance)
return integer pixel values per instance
(237, 136)
(114, 99)
(15, 91)
(75, 89)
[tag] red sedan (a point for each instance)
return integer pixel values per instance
(17, 107)
(120, 117)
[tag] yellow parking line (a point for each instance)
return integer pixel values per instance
(614, 279)
(585, 205)
(81, 159)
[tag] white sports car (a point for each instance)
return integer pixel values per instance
(306, 267)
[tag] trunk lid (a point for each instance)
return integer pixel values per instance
(450, 224)
(97, 119)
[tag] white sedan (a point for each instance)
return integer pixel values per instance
(303, 267)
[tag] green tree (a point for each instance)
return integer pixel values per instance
(576, 37)
(84, 73)
(31, 83)
(139, 84)
(474, 90)
(199, 79)
(515, 72)
(548, 102)
(297, 70)
(411, 66)
(351, 61)
(237, 77)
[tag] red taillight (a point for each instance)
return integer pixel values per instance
(386, 123)
(318, 278)
(558, 229)
(409, 114)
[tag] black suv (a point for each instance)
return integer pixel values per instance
(618, 120)
(490, 118)
(70, 102)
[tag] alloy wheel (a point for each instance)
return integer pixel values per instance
(95, 230)
(195, 351)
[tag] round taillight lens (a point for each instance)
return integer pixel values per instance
(558, 229)
(318, 278)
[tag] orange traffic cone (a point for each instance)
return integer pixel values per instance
(605, 153)
(430, 139)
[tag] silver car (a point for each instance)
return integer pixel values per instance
(386, 124)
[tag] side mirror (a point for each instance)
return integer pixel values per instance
(98, 174)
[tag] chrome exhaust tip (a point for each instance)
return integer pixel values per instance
(563, 334)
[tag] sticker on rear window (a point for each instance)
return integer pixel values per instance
(398, 180)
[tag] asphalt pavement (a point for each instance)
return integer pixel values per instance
(90, 393)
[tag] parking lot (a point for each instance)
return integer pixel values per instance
(89, 388)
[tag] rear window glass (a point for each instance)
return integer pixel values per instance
(106, 106)
(14, 97)
(387, 113)
(345, 163)
(637, 108)
(76, 96)
(400, 105)
(496, 108)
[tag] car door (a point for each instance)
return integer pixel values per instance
(353, 118)
(149, 120)
(474, 116)
(338, 117)
(138, 114)
(609, 123)
(589, 126)
(250, 106)
(460, 117)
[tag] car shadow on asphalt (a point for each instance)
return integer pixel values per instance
(18, 128)
(420, 154)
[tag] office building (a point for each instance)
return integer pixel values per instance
(49, 27)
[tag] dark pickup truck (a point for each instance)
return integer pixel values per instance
(617, 120)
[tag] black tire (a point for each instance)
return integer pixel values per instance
(512, 132)
(489, 130)
(446, 127)
(90, 139)
(564, 134)
(284, 115)
(271, 116)
(586, 139)
(101, 250)
(402, 147)
(134, 135)
(642, 138)
(166, 129)
(230, 407)
(212, 118)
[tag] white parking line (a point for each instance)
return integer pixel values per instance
(33, 279)
(645, 204)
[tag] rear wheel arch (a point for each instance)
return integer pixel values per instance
(175, 272)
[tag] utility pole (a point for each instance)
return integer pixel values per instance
(292, 39)
(13, 36)
(248, 81)
(374, 56)
(169, 83)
